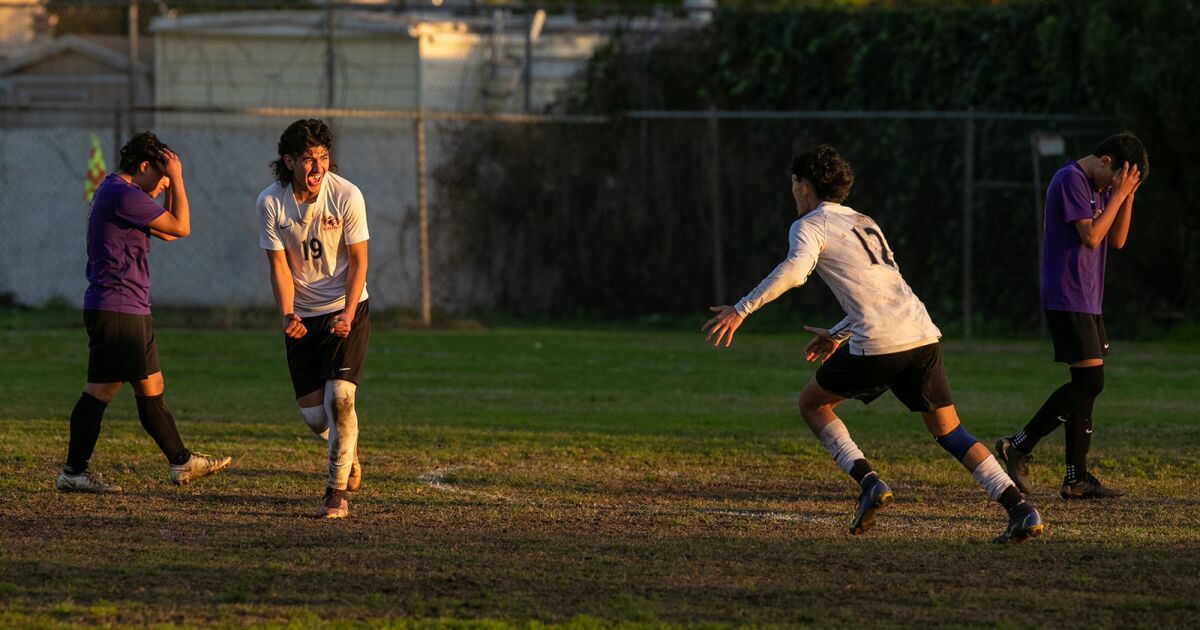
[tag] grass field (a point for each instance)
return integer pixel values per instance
(589, 478)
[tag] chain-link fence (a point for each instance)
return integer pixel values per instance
(651, 212)
(499, 209)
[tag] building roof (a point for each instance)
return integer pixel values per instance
(70, 44)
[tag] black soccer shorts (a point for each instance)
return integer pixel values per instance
(915, 376)
(1077, 336)
(321, 356)
(120, 347)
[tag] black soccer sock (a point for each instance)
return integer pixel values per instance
(1054, 412)
(1010, 499)
(860, 469)
(160, 424)
(85, 430)
(1090, 382)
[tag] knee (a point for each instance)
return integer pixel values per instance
(810, 408)
(957, 442)
(104, 392)
(341, 396)
(1088, 381)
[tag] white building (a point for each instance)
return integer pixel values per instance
(377, 60)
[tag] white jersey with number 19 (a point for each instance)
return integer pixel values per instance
(314, 238)
(849, 252)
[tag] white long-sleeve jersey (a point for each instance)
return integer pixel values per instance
(851, 255)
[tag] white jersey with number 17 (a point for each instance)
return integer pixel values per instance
(849, 252)
(314, 239)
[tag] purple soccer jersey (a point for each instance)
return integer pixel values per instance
(118, 246)
(1072, 274)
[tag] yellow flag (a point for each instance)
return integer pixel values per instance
(96, 170)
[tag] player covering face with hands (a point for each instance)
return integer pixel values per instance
(1089, 208)
(313, 226)
(886, 341)
(116, 311)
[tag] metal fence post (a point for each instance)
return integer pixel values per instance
(133, 64)
(714, 191)
(423, 221)
(968, 221)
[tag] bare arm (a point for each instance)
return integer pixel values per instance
(356, 279)
(177, 220)
(167, 205)
(1093, 231)
(285, 294)
(1120, 228)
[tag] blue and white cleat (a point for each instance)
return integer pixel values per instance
(875, 496)
(1024, 523)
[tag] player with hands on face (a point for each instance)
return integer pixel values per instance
(886, 341)
(116, 311)
(1089, 208)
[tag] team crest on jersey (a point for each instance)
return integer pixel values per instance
(330, 222)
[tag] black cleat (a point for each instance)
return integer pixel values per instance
(1023, 523)
(1088, 488)
(1016, 462)
(875, 496)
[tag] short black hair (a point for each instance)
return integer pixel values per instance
(298, 138)
(1125, 147)
(142, 147)
(829, 174)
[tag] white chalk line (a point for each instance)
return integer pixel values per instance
(435, 479)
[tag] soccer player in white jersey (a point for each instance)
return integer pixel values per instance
(886, 341)
(313, 224)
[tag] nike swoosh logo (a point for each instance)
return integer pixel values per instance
(348, 369)
(1087, 430)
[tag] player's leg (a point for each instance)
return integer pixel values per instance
(1024, 522)
(1088, 377)
(312, 412)
(840, 377)
(342, 368)
(923, 387)
(343, 443)
(86, 418)
(114, 353)
(1076, 341)
(159, 423)
(817, 409)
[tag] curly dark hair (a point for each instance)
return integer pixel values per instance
(298, 138)
(1125, 147)
(830, 175)
(142, 147)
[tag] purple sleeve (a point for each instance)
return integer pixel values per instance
(1075, 195)
(138, 208)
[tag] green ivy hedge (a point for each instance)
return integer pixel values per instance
(616, 219)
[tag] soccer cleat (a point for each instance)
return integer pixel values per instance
(197, 466)
(1088, 488)
(335, 505)
(354, 482)
(1016, 462)
(86, 481)
(875, 496)
(1023, 523)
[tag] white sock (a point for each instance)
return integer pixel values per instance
(836, 439)
(317, 420)
(343, 434)
(992, 477)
